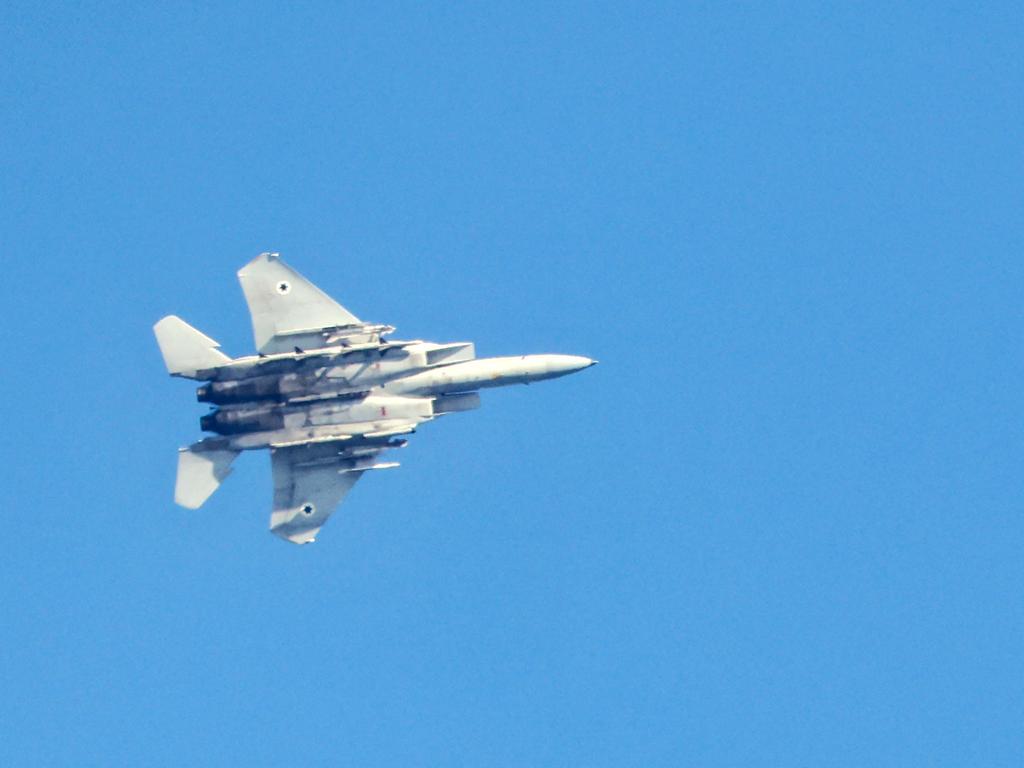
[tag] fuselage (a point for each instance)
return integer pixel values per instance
(369, 394)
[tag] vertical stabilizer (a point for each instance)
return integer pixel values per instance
(200, 473)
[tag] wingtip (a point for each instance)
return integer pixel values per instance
(264, 258)
(299, 536)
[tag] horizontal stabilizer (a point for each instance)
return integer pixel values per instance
(186, 350)
(200, 473)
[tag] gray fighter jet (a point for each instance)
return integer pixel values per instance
(326, 393)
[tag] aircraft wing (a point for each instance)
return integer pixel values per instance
(309, 482)
(283, 304)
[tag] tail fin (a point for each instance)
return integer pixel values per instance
(187, 351)
(200, 473)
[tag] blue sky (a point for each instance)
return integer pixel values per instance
(780, 524)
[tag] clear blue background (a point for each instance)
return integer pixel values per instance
(779, 525)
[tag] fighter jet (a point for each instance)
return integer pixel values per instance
(326, 393)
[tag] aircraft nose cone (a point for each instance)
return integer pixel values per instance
(570, 363)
